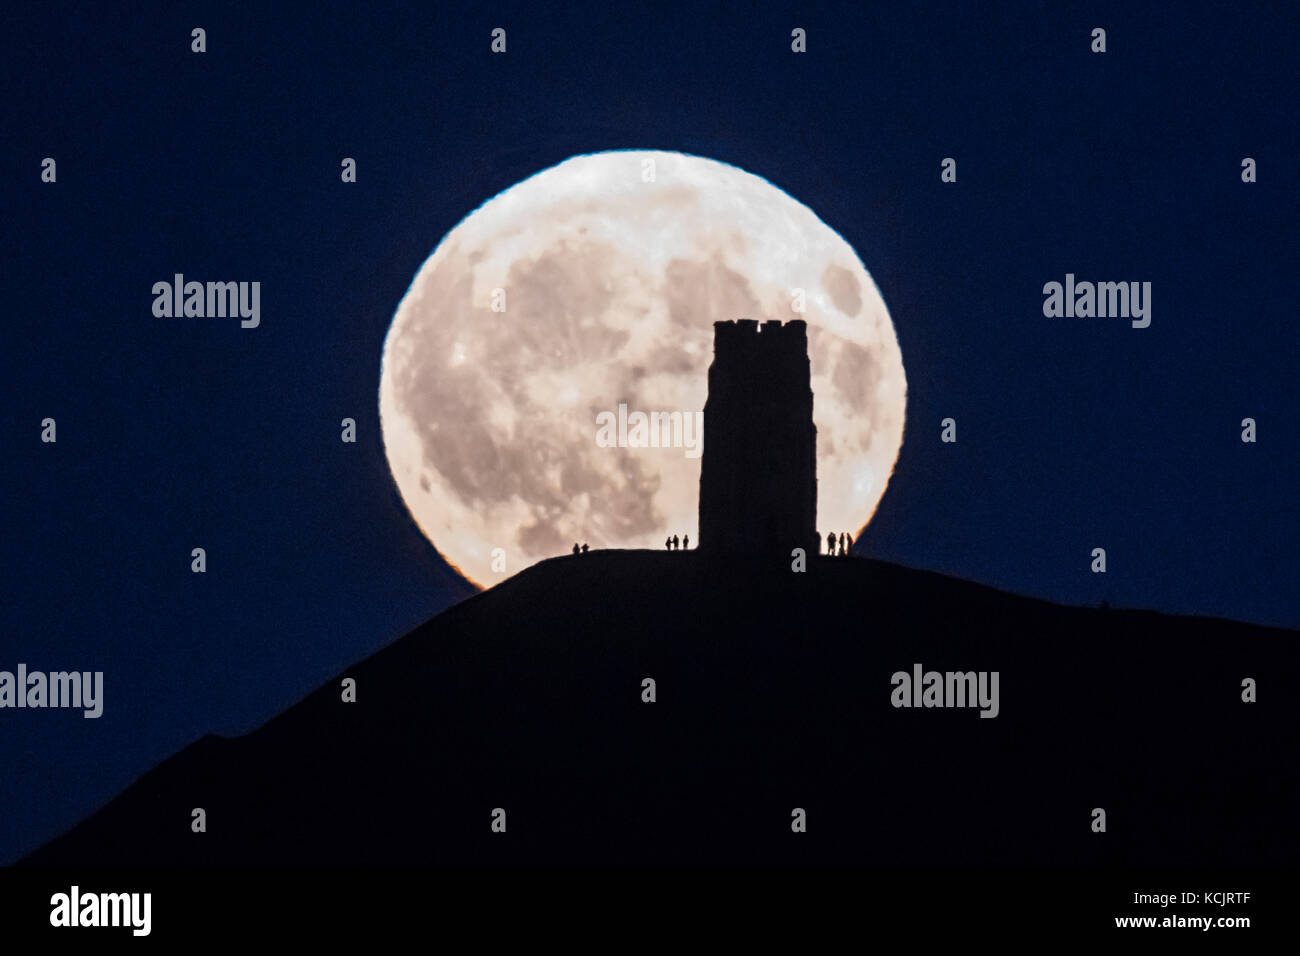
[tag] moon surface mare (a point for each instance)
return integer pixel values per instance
(596, 283)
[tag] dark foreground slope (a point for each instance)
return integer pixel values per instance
(773, 693)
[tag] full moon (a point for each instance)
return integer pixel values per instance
(594, 284)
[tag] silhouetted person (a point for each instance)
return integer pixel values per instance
(584, 547)
(843, 550)
(668, 544)
(686, 542)
(848, 544)
(675, 542)
(575, 547)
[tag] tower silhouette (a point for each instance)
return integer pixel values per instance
(758, 475)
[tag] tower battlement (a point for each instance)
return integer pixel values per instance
(772, 332)
(758, 476)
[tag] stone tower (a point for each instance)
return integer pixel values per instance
(758, 476)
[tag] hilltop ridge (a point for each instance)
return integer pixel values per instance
(772, 693)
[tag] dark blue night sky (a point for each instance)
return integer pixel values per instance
(176, 433)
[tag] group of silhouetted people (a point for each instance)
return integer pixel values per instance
(845, 542)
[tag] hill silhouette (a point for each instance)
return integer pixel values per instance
(773, 692)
